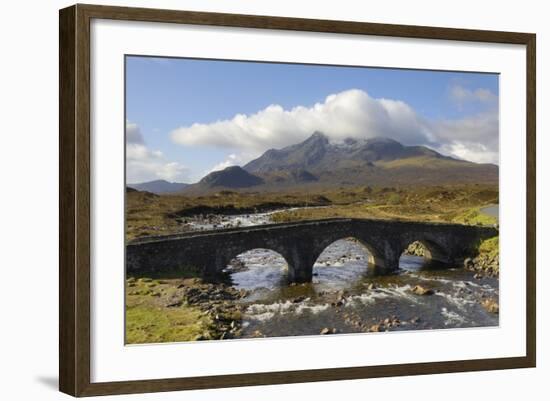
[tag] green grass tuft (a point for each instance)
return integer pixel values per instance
(489, 247)
(150, 324)
(474, 217)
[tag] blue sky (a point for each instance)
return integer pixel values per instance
(181, 112)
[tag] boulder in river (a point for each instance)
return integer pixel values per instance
(490, 305)
(257, 334)
(376, 328)
(484, 264)
(419, 290)
(237, 265)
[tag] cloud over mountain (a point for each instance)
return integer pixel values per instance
(351, 113)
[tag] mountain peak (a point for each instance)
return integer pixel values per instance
(317, 139)
(377, 161)
(231, 169)
(318, 135)
(231, 177)
(318, 152)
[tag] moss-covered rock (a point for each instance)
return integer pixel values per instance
(487, 260)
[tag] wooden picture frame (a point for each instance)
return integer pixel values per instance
(74, 204)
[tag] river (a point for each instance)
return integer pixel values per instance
(214, 222)
(491, 210)
(345, 298)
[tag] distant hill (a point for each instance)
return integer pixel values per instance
(159, 186)
(321, 163)
(233, 177)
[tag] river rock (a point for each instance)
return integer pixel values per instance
(419, 290)
(490, 305)
(416, 249)
(203, 337)
(299, 299)
(237, 265)
(376, 328)
(483, 264)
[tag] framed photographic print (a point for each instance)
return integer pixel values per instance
(250, 200)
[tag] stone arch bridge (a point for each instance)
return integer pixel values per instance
(301, 243)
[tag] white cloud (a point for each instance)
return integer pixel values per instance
(473, 138)
(133, 133)
(462, 95)
(351, 113)
(232, 160)
(143, 164)
(475, 152)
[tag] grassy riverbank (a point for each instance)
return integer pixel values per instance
(155, 314)
(175, 309)
(457, 205)
(149, 214)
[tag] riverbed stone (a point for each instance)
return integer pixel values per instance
(419, 290)
(490, 305)
(416, 249)
(376, 328)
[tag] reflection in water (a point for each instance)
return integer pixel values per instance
(344, 296)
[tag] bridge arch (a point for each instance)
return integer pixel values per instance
(374, 256)
(258, 267)
(432, 250)
(250, 253)
(228, 255)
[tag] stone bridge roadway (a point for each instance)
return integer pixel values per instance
(301, 243)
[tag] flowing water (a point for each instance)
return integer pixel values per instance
(214, 222)
(346, 297)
